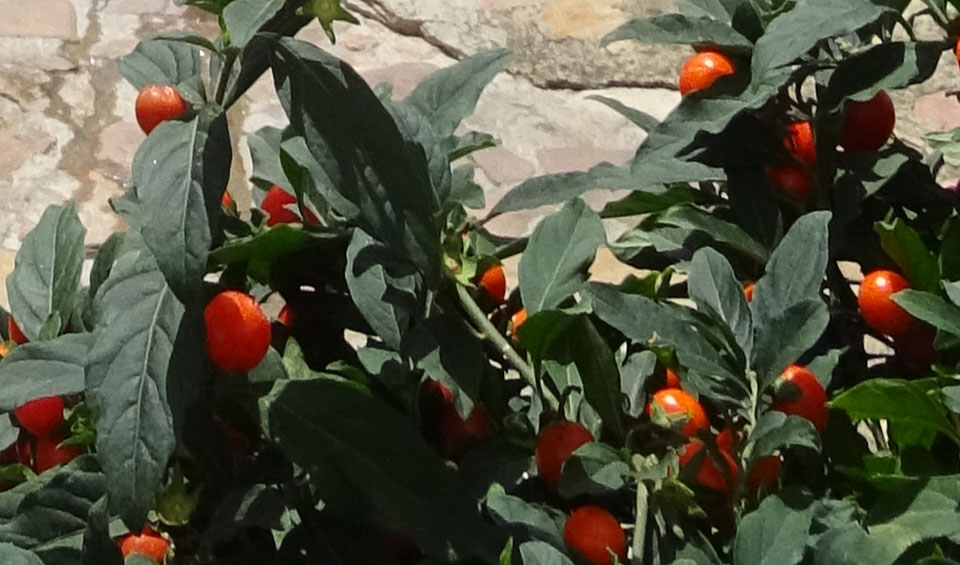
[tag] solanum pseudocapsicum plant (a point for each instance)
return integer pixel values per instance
(721, 408)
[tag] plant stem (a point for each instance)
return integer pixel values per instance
(224, 77)
(501, 344)
(640, 524)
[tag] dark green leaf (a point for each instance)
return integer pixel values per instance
(643, 120)
(383, 288)
(773, 534)
(460, 146)
(561, 249)
(46, 275)
(557, 188)
(824, 365)
(449, 95)
(381, 456)
(678, 28)
(642, 202)
(464, 190)
(13, 555)
(899, 402)
(599, 373)
(60, 361)
(103, 262)
(775, 431)
(188, 38)
(264, 147)
(914, 514)
(244, 18)
(714, 288)
(542, 553)
(540, 330)
(127, 379)
(264, 250)
(98, 547)
(903, 244)
(257, 506)
(787, 336)
(180, 173)
(719, 230)
(156, 61)
(594, 469)
(931, 309)
(531, 520)
(633, 375)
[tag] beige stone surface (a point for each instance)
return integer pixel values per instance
(45, 18)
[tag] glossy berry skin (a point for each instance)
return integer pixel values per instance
(878, 310)
(238, 332)
(593, 533)
(286, 316)
(700, 71)
(764, 473)
(675, 405)
(868, 125)
(50, 453)
(280, 207)
(672, 380)
(148, 544)
(517, 320)
(708, 474)
(42, 416)
(556, 444)
(792, 180)
(158, 103)
(800, 143)
(799, 393)
(494, 283)
(13, 330)
(748, 291)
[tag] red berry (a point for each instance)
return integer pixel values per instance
(595, 535)
(798, 392)
(764, 473)
(700, 71)
(280, 207)
(791, 179)
(879, 311)
(457, 436)
(158, 103)
(868, 125)
(227, 201)
(148, 544)
(708, 474)
(13, 330)
(50, 453)
(800, 143)
(238, 332)
(42, 416)
(517, 320)
(286, 316)
(675, 407)
(672, 380)
(494, 283)
(748, 291)
(556, 444)
(725, 440)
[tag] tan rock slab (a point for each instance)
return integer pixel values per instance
(41, 18)
(119, 142)
(575, 18)
(19, 145)
(567, 159)
(403, 76)
(502, 166)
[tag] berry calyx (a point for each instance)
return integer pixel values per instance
(878, 310)
(791, 179)
(595, 535)
(800, 143)
(148, 543)
(799, 393)
(764, 473)
(708, 474)
(494, 283)
(868, 125)
(556, 444)
(50, 453)
(674, 408)
(280, 208)
(238, 332)
(13, 330)
(42, 416)
(700, 71)
(157, 103)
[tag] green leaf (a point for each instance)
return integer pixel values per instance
(264, 147)
(897, 401)
(556, 188)
(714, 288)
(265, 250)
(51, 520)
(773, 534)
(542, 553)
(719, 230)
(775, 431)
(13, 555)
(327, 12)
(180, 173)
(561, 249)
(362, 151)
(158, 61)
(459, 146)
(538, 333)
(257, 506)
(795, 32)
(446, 350)
(642, 202)
(526, 519)
(931, 309)
(824, 365)
(681, 29)
(641, 119)
(449, 95)
(380, 455)
(46, 274)
(903, 244)
(382, 287)
(911, 515)
(61, 362)
(599, 372)
(633, 375)
(787, 336)
(127, 380)
(98, 547)
(594, 469)
(244, 18)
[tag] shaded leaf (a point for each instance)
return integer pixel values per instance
(931, 309)
(244, 18)
(714, 288)
(903, 244)
(899, 402)
(61, 361)
(773, 534)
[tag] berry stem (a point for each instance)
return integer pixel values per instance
(510, 355)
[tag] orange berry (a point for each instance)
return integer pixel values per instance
(238, 332)
(148, 544)
(595, 535)
(494, 283)
(556, 444)
(708, 474)
(956, 51)
(158, 103)
(800, 143)
(672, 380)
(517, 320)
(799, 393)
(748, 291)
(13, 330)
(700, 71)
(791, 179)
(677, 407)
(868, 125)
(878, 310)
